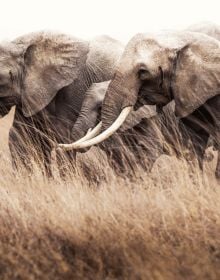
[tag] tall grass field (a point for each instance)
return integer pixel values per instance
(159, 225)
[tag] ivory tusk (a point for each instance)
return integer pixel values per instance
(101, 137)
(90, 133)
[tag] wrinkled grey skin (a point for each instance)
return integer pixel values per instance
(158, 68)
(46, 76)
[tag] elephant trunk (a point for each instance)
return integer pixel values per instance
(120, 94)
(112, 105)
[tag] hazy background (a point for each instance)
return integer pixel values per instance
(118, 18)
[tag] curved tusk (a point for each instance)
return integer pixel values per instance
(101, 137)
(90, 133)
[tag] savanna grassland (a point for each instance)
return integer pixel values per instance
(163, 225)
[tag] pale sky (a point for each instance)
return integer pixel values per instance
(120, 19)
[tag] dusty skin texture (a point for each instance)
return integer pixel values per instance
(160, 226)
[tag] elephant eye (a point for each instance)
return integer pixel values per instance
(143, 74)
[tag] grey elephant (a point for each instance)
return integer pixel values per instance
(136, 139)
(46, 75)
(158, 68)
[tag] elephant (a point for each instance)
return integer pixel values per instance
(156, 69)
(45, 76)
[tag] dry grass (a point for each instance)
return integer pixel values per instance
(160, 226)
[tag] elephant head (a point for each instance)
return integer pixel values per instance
(33, 68)
(157, 68)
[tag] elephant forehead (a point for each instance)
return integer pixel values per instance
(144, 50)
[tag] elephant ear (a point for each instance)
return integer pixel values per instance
(196, 75)
(51, 63)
